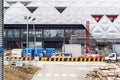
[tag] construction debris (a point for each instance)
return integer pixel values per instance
(19, 73)
(109, 72)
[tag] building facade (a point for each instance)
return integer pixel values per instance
(53, 23)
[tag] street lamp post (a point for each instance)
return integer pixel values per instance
(34, 32)
(64, 41)
(27, 18)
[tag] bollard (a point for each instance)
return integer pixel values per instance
(94, 59)
(76, 59)
(30, 58)
(49, 59)
(72, 60)
(102, 59)
(84, 59)
(62, 59)
(58, 59)
(89, 59)
(68, 59)
(81, 59)
(98, 59)
(54, 59)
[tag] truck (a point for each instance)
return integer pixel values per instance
(112, 57)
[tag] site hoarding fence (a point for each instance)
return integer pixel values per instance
(1, 41)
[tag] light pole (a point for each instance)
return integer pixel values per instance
(27, 18)
(34, 32)
(64, 41)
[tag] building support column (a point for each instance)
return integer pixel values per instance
(87, 47)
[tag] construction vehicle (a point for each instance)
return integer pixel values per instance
(112, 57)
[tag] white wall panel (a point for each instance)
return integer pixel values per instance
(76, 12)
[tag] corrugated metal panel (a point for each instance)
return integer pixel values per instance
(0, 23)
(1, 49)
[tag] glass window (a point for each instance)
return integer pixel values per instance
(37, 45)
(31, 44)
(31, 33)
(16, 33)
(38, 32)
(79, 33)
(82, 33)
(68, 33)
(24, 32)
(5, 31)
(53, 33)
(10, 33)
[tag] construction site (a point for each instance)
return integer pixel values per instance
(62, 39)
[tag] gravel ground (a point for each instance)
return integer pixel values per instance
(19, 73)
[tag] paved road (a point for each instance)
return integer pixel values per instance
(64, 70)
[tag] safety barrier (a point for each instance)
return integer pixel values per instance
(95, 59)
(19, 58)
(80, 59)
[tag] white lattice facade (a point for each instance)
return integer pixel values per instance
(75, 12)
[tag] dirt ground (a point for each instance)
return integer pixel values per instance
(19, 73)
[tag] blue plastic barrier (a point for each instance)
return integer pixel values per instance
(38, 52)
(50, 52)
(27, 52)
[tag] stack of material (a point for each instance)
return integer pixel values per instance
(110, 72)
(118, 64)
